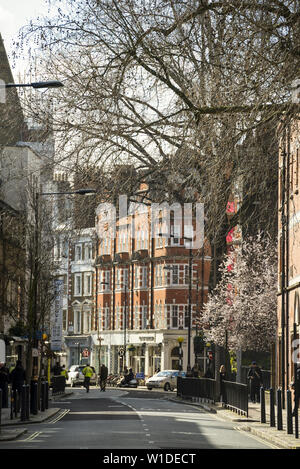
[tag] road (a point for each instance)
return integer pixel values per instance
(131, 419)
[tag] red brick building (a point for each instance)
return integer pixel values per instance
(143, 289)
(288, 349)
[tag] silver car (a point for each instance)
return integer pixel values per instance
(164, 379)
(75, 375)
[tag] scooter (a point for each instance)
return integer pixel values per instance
(131, 384)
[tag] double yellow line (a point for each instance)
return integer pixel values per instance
(60, 416)
(33, 436)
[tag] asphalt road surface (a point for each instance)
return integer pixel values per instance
(131, 419)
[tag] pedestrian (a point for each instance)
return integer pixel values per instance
(222, 373)
(189, 373)
(103, 377)
(130, 375)
(208, 373)
(195, 371)
(87, 373)
(4, 380)
(5, 367)
(64, 373)
(255, 379)
(18, 377)
(296, 387)
(57, 369)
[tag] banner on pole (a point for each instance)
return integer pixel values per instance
(57, 316)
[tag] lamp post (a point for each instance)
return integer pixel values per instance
(125, 325)
(35, 276)
(190, 293)
(37, 84)
(100, 338)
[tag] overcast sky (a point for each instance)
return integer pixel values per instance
(13, 15)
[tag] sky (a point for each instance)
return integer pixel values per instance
(13, 15)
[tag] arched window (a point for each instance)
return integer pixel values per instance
(175, 352)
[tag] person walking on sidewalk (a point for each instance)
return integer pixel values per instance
(103, 377)
(64, 373)
(87, 373)
(222, 373)
(4, 380)
(57, 369)
(296, 387)
(255, 379)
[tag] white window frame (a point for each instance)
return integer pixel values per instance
(88, 284)
(144, 276)
(88, 251)
(104, 277)
(118, 279)
(87, 316)
(175, 231)
(175, 267)
(189, 233)
(174, 309)
(144, 317)
(125, 278)
(78, 247)
(106, 318)
(77, 292)
(77, 321)
(136, 277)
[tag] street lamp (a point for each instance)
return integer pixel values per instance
(125, 325)
(37, 84)
(100, 338)
(190, 293)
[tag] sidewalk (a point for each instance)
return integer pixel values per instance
(7, 434)
(252, 424)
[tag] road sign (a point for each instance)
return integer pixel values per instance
(121, 352)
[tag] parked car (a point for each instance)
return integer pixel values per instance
(75, 375)
(164, 379)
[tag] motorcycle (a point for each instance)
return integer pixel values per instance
(131, 384)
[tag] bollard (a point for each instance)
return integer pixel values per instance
(46, 394)
(289, 420)
(279, 410)
(15, 393)
(34, 398)
(296, 424)
(27, 405)
(11, 404)
(23, 403)
(0, 407)
(262, 406)
(43, 396)
(272, 408)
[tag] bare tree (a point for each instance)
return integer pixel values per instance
(175, 89)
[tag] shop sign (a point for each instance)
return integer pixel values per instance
(147, 339)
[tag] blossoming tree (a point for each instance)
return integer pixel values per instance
(241, 312)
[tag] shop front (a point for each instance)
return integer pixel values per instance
(78, 350)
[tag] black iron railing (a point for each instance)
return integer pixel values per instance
(198, 388)
(235, 397)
